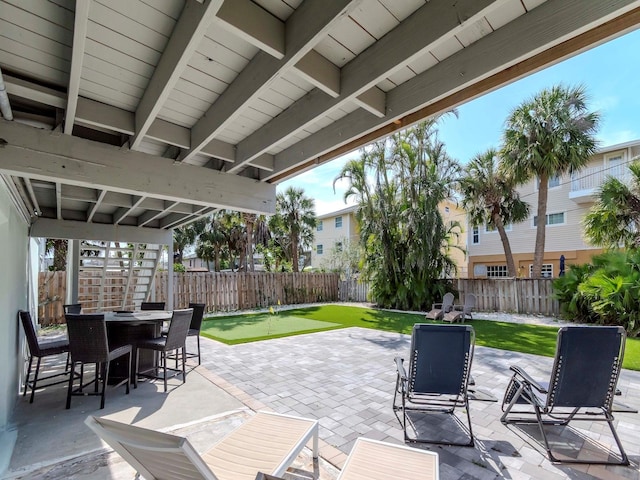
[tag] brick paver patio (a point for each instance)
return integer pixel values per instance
(346, 378)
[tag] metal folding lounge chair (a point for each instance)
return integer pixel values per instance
(439, 309)
(438, 377)
(267, 442)
(461, 312)
(582, 386)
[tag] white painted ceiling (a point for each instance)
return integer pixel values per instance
(214, 102)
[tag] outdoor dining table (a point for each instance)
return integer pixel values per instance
(128, 328)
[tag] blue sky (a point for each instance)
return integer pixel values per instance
(610, 73)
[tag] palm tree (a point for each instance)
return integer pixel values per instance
(186, 236)
(489, 196)
(249, 220)
(398, 184)
(614, 219)
(298, 218)
(551, 134)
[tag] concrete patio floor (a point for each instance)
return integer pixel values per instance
(345, 378)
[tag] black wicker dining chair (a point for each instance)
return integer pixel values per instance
(72, 308)
(174, 340)
(194, 330)
(40, 350)
(88, 344)
(152, 306)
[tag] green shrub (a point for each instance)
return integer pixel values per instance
(606, 293)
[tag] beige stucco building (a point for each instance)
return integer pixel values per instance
(341, 227)
(570, 198)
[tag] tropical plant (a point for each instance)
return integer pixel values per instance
(490, 197)
(614, 219)
(549, 135)
(607, 292)
(185, 236)
(59, 248)
(295, 220)
(398, 184)
(574, 305)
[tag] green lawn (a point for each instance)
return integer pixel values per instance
(524, 338)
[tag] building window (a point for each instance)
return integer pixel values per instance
(475, 238)
(338, 222)
(319, 249)
(552, 219)
(319, 227)
(547, 270)
(488, 228)
(497, 271)
(554, 181)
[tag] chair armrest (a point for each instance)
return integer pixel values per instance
(436, 305)
(402, 373)
(527, 378)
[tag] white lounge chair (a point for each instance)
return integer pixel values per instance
(267, 442)
(375, 460)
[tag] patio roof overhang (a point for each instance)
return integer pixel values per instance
(154, 114)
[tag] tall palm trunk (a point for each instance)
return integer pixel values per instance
(497, 221)
(538, 255)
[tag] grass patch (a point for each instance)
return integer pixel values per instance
(516, 337)
(262, 326)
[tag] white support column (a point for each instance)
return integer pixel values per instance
(170, 275)
(73, 271)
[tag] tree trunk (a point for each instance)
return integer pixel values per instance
(60, 255)
(538, 255)
(511, 266)
(294, 254)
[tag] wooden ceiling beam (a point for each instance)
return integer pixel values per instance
(310, 22)
(77, 56)
(36, 153)
(491, 62)
(253, 24)
(187, 35)
(421, 31)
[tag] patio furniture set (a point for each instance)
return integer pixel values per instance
(582, 387)
(115, 343)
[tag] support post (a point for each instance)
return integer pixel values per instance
(170, 275)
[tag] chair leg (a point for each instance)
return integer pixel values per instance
(198, 337)
(184, 362)
(135, 368)
(164, 364)
(35, 380)
(26, 380)
(128, 371)
(104, 367)
(70, 388)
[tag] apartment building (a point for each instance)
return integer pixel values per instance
(341, 226)
(570, 198)
(335, 228)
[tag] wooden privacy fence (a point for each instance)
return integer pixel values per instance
(518, 295)
(224, 292)
(353, 291)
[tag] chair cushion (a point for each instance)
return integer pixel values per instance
(157, 343)
(53, 348)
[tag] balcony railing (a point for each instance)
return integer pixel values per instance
(590, 179)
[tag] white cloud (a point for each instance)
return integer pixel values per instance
(603, 103)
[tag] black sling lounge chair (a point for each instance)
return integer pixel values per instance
(582, 386)
(438, 376)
